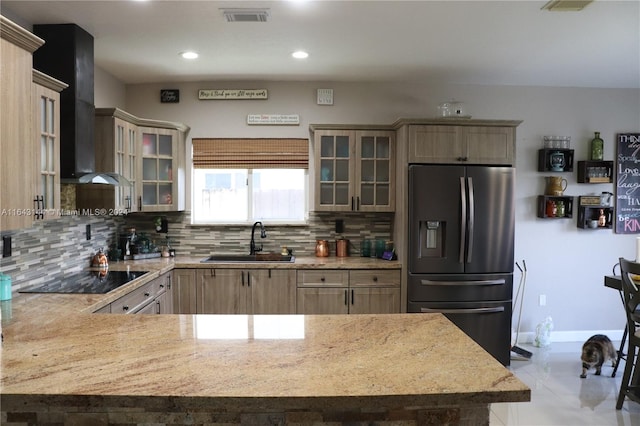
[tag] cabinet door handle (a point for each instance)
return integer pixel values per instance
(242, 275)
(140, 203)
(248, 279)
(346, 298)
(358, 203)
(352, 203)
(157, 306)
(352, 296)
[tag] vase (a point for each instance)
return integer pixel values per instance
(597, 147)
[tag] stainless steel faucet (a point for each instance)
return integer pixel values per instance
(263, 234)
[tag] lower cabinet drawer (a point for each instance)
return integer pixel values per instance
(375, 278)
(322, 278)
(130, 303)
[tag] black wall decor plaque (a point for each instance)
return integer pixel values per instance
(169, 96)
(628, 183)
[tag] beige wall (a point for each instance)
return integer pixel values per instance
(565, 263)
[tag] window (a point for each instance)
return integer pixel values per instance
(245, 180)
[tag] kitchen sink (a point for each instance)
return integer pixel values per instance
(248, 258)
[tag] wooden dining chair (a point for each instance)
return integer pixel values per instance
(630, 386)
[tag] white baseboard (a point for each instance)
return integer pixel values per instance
(571, 336)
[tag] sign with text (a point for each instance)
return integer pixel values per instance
(218, 94)
(274, 119)
(628, 184)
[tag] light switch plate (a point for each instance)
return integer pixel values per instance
(325, 96)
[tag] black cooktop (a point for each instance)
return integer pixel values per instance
(96, 282)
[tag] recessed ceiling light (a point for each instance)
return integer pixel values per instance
(189, 55)
(300, 54)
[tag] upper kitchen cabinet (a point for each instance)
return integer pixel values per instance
(462, 142)
(158, 160)
(17, 165)
(353, 170)
(46, 107)
(148, 153)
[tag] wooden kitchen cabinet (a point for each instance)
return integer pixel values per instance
(184, 291)
(246, 291)
(17, 146)
(116, 137)
(150, 298)
(354, 170)
(458, 144)
(150, 154)
(159, 165)
(354, 292)
(46, 107)
(322, 291)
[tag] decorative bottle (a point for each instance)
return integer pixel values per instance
(597, 147)
(602, 219)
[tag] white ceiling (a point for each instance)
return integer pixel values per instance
(464, 42)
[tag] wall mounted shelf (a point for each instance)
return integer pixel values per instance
(542, 206)
(595, 171)
(545, 160)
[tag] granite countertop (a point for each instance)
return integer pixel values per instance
(54, 346)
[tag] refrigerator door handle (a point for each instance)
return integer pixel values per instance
(463, 220)
(465, 283)
(471, 216)
(463, 310)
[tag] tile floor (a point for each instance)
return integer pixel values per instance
(559, 397)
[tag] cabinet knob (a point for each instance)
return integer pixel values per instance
(125, 308)
(146, 294)
(375, 279)
(322, 279)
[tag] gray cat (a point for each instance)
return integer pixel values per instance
(595, 352)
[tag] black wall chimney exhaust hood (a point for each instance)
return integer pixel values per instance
(68, 56)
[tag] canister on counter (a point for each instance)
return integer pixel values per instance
(379, 248)
(342, 248)
(5, 287)
(365, 248)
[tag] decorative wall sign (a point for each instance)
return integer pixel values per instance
(169, 96)
(325, 97)
(628, 184)
(277, 119)
(217, 94)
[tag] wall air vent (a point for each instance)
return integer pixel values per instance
(246, 15)
(566, 5)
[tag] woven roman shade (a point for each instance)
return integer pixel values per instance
(250, 153)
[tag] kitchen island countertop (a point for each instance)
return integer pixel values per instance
(58, 361)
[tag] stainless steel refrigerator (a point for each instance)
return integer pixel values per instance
(461, 233)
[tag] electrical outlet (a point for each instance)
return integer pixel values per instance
(542, 301)
(339, 226)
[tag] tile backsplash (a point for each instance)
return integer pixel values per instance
(50, 248)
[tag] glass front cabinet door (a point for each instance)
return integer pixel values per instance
(354, 170)
(47, 183)
(374, 171)
(159, 153)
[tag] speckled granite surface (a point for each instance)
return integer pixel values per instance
(54, 354)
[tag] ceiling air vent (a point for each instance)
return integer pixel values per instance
(246, 15)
